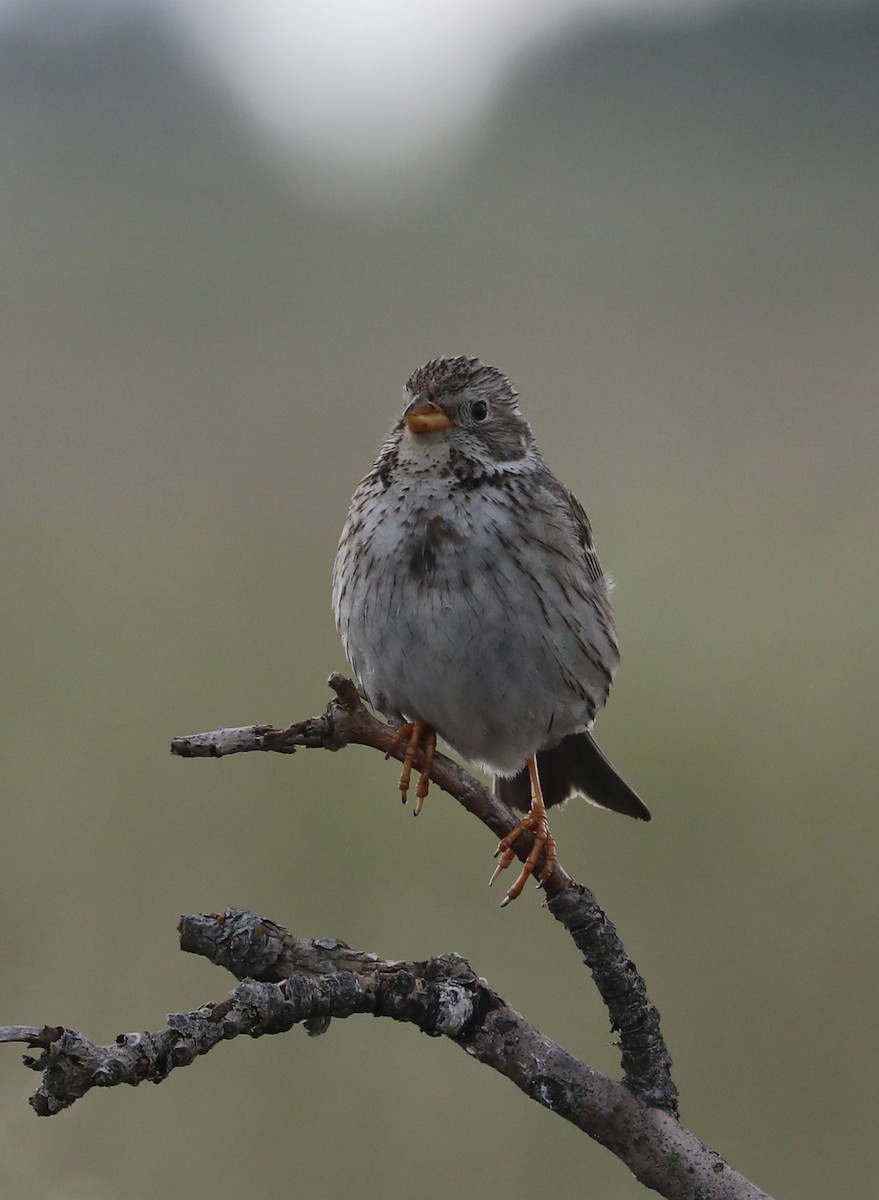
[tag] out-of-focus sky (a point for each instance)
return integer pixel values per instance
(363, 81)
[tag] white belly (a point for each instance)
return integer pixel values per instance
(504, 648)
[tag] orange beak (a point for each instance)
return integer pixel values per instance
(423, 416)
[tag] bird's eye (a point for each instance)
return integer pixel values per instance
(479, 410)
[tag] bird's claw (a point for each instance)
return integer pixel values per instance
(422, 737)
(543, 848)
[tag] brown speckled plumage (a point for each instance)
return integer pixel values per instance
(469, 596)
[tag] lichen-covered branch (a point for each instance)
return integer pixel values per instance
(288, 980)
(646, 1061)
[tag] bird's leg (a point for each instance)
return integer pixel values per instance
(535, 823)
(423, 785)
(420, 736)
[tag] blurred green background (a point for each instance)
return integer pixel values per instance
(666, 234)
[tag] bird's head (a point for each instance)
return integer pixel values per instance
(467, 407)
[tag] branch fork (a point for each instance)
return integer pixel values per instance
(285, 980)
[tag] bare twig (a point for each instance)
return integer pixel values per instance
(289, 980)
(347, 721)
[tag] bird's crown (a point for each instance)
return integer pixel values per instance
(445, 376)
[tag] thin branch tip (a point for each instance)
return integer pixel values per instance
(347, 691)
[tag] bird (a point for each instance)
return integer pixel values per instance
(472, 605)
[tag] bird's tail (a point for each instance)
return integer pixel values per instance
(574, 766)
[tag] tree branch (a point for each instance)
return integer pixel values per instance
(289, 980)
(347, 721)
(646, 1061)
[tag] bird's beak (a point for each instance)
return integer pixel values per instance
(423, 416)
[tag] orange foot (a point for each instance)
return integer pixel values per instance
(535, 823)
(421, 737)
